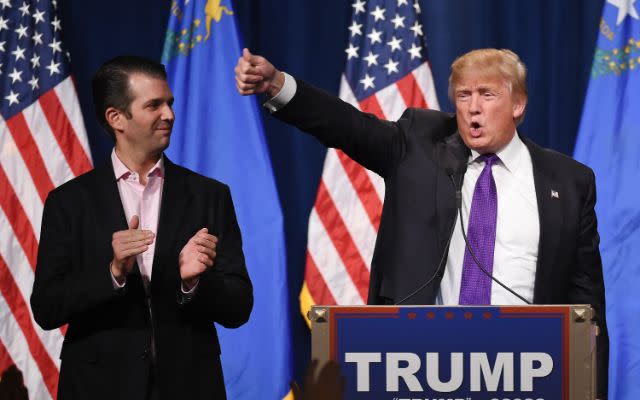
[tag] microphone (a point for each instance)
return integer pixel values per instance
(440, 264)
(449, 171)
(458, 188)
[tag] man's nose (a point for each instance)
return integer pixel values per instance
(474, 104)
(168, 114)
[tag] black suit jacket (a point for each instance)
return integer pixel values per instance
(415, 156)
(107, 351)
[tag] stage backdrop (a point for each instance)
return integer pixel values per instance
(556, 40)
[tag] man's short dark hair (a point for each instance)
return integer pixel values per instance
(111, 84)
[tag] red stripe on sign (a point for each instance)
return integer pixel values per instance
(18, 220)
(5, 358)
(316, 284)
(20, 311)
(372, 106)
(341, 238)
(363, 186)
(64, 133)
(410, 92)
(30, 154)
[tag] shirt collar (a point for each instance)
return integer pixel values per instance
(509, 155)
(121, 171)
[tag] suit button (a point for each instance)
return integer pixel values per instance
(145, 354)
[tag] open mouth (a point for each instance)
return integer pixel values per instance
(475, 129)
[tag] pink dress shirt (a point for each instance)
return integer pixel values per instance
(143, 201)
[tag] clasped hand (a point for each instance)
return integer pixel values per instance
(196, 256)
(126, 246)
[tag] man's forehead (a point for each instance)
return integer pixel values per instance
(478, 80)
(143, 85)
(139, 78)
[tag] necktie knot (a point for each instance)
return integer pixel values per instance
(489, 159)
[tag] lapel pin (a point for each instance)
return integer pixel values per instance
(554, 194)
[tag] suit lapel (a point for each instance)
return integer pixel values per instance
(109, 208)
(175, 198)
(452, 155)
(549, 212)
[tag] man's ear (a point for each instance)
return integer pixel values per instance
(115, 118)
(518, 107)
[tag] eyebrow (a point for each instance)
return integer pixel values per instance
(480, 88)
(159, 100)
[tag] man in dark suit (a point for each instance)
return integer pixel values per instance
(140, 257)
(528, 211)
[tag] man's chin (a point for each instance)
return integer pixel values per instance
(480, 148)
(163, 144)
(478, 144)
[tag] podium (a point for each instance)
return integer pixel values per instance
(459, 352)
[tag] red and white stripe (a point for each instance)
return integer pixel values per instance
(40, 148)
(345, 218)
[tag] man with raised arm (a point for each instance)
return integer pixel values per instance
(528, 212)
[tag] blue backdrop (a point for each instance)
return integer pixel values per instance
(556, 40)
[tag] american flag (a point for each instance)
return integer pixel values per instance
(387, 71)
(43, 143)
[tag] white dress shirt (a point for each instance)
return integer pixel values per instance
(517, 227)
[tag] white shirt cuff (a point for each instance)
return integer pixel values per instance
(185, 296)
(116, 284)
(284, 96)
(189, 292)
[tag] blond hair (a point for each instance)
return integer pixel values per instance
(501, 62)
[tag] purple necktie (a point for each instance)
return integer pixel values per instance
(475, 287)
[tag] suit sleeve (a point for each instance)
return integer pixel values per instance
(224, 293)
(587, 282)
(376, 144)
(60, 291)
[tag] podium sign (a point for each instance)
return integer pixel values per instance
(459, 353)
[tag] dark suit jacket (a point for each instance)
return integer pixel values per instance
(107, 349)
(415, 155)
